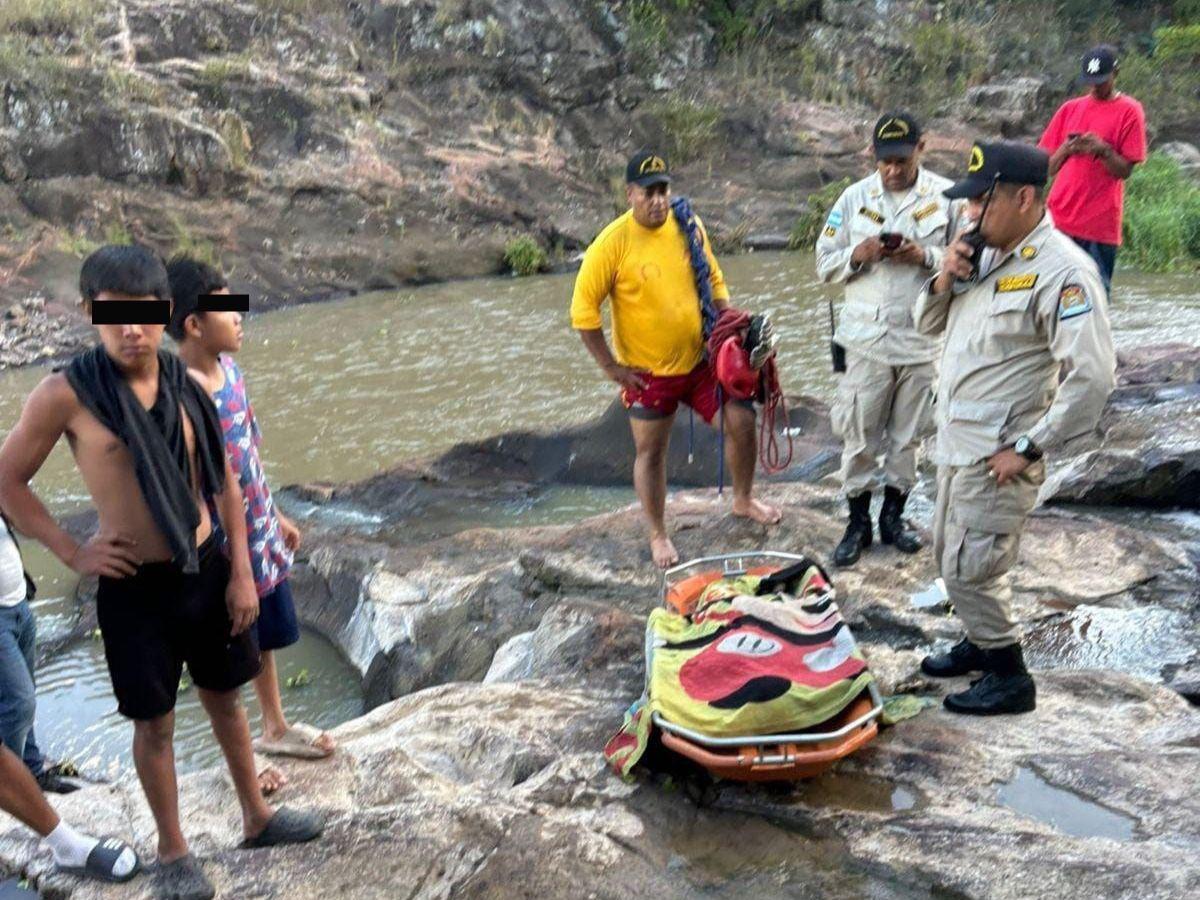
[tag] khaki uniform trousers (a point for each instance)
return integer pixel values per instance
(977, 529)
(881, 410)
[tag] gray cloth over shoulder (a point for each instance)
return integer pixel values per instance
(155, 438)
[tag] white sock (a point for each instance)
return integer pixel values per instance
(71, 849)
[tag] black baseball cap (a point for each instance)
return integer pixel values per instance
(896, 134)
(1098, 64)
(1008, 161)
(646, 168)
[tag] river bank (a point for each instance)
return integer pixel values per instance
(307, 145)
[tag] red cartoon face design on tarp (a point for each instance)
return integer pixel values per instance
(754, 662)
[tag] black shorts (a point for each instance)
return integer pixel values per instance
(157, 620)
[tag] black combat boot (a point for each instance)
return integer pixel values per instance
(962, 658)
(858, 533)
(892, 527)
(1006, 687)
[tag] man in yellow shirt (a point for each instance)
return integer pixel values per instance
(642, 262)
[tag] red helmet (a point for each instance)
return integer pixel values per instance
(734, 373)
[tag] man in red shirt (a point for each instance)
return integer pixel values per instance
(1094, 141)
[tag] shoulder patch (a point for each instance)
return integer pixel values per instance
(1011, 283)
(875, 217)
(1073, 301)
(928, 210)
(835, 218)
(1028, 251)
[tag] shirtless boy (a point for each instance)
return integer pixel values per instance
(168, 594)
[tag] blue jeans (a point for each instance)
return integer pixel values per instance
(18, 636)
(1105, 256)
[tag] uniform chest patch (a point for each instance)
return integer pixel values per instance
(925, 211)
(1073, 301)
(1010, 283)
(875, 217)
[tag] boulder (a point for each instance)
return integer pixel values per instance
(1012, 106)
(1146, 451)
(1187, 155)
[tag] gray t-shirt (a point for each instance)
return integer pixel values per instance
(12, 572)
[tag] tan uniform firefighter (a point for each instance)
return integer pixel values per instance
(1027, 364)
(883, 239)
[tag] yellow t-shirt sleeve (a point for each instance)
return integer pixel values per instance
(594, 282)
(716, 278)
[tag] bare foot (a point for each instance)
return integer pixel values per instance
(757, 511)
(270, 780)
(663, 551)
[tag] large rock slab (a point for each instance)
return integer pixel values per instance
(411, 614)
(498, 791)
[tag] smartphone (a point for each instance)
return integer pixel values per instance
(891, 240)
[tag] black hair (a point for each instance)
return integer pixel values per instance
(189, 279)
(123, 269)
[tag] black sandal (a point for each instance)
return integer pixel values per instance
(100, 862)
(287, 826)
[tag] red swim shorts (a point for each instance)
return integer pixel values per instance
(662, 395)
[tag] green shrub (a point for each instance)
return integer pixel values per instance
(649, 30)
(689, 128)
(186, 242)
(525, 256)
(1178, 43)
(808, 226)
(1162, 217)
(946, 57)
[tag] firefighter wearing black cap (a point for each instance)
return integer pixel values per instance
(1027, 364)
(883, 238)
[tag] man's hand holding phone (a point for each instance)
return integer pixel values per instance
(956, 264)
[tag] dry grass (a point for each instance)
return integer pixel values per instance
(41, 16)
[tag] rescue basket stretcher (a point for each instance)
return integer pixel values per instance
(804, 753)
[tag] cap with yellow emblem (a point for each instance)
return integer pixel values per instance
(1005, 161)
(646, 168)
(896, 135)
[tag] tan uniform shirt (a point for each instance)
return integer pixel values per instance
(877, 318)
(1035, 314)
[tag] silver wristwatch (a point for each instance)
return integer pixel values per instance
(1027, 448)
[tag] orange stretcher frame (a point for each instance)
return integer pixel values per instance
(779, 757)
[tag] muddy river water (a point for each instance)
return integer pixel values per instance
(347, 388)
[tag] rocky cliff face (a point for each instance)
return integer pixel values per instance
(321, 148)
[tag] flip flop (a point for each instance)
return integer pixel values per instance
(183, 879)
(100, 862)
(287, 826)
(299, 741)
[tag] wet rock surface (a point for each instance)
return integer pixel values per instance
(1146, 451)
(497, 787)
(499, 661)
